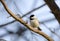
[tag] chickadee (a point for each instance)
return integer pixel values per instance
(34, 22)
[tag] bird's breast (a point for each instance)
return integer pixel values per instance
(34, 23)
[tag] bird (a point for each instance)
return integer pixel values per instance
(34, 22)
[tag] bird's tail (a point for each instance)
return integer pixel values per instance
(39, 29)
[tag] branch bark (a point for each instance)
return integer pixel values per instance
(21, 21)
(54, 8)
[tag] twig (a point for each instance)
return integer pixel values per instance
(21, 21)
(33, 10)
(51, 30)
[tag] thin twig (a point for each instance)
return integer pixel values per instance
(33, 10)
(51, 30)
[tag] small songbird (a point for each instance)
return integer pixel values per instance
(34, 22)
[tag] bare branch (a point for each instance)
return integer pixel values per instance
(51, 30)
(33, 10)
(54, 8)
(23, 15)
(21, 21)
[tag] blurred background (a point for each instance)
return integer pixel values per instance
(12, 30)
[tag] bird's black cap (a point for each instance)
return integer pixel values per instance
(31, 15)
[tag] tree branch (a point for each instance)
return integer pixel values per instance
(51, 31)
(23, 15)
(21, 21)
(54, 8)
(33, 10)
